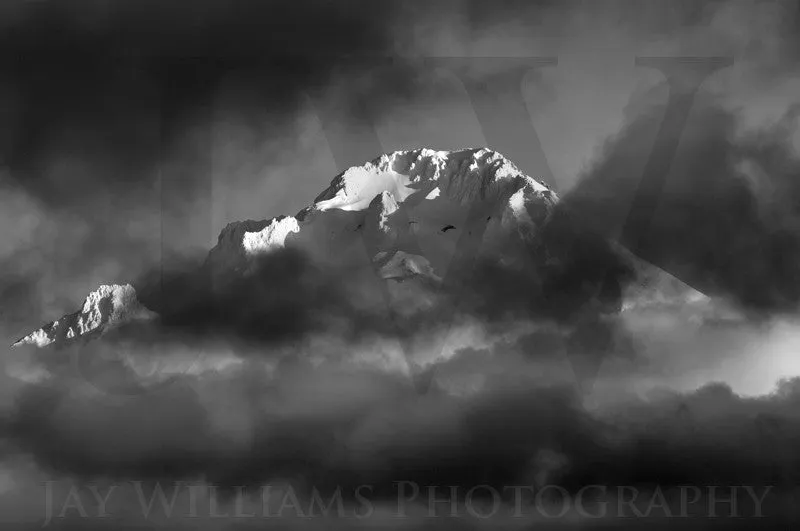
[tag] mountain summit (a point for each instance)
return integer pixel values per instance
(397, 202)
(107, 307)
(413, 217)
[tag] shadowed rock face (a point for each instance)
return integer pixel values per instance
(241, 241)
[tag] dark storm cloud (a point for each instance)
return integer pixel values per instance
(727, 221)
(118, 81)
(284, 297)
(328, 428)
(567, 269)
(287, 295)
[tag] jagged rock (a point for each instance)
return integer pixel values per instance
(107, 307)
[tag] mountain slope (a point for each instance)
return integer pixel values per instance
(418, 218)
(104, 309)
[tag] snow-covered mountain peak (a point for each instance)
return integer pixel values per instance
(413, 212)
(465, 175)
(106, 307)
(272, 236)
(412, 202)
(397, 201)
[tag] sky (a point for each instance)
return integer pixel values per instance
(132, 133)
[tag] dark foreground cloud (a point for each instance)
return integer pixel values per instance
(328, 428)
(561, 274)
(727, 221)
